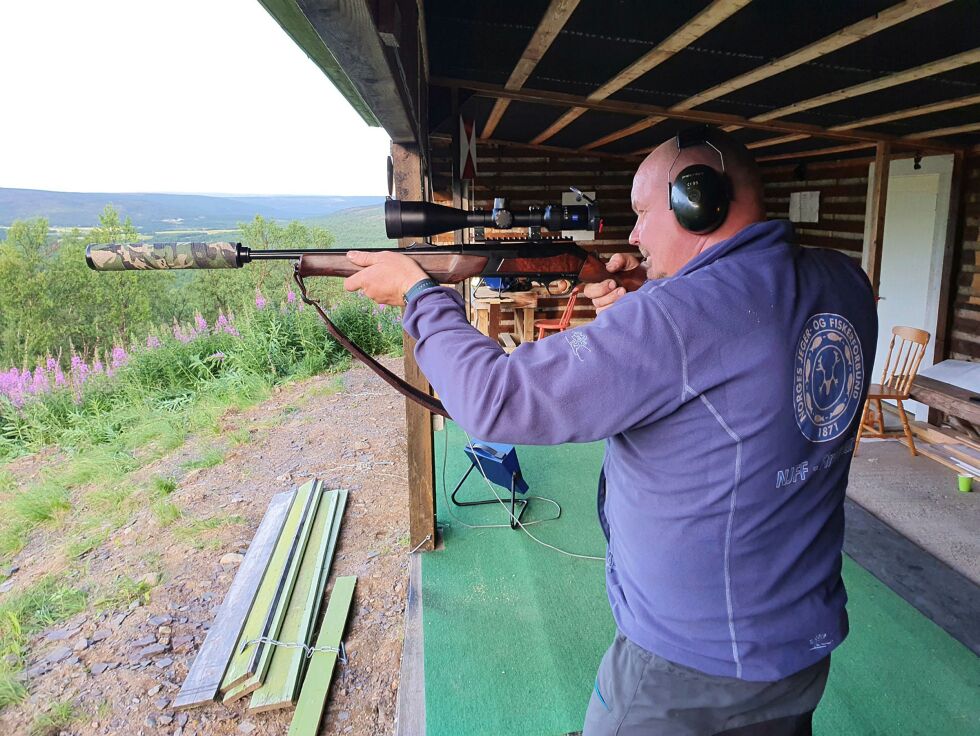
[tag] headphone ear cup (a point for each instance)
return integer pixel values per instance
(699, 198)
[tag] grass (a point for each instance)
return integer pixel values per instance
(208, 460)
(198, 532)
(166, 512)
(47, 602)
(8, 483)
(240, 437)
(87, 490)
(124, 591)
(57, 718)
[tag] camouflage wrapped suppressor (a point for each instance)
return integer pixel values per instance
(146, 256)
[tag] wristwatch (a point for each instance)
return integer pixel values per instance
(418, 287)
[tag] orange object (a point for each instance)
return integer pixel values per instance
(561, 324)
(896, 383)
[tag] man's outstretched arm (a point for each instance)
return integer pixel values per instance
(577, 386)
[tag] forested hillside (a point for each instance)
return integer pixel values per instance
(155, 212)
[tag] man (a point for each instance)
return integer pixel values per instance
(727, 389)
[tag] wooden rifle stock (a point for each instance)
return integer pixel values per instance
(454, 266)
(446, 268)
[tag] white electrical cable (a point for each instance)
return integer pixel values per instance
(493, 490)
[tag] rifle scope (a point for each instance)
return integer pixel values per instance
(421, 219)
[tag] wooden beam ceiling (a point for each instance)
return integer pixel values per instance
(939, 66)
(555, 17)
(561, 99)
(835, 41)
(623, 132)
(818, 152)
(910, 112)
(777, 141)
(683, 37)
(939, 132)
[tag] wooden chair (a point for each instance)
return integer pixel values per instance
(896, 382)
(560, 324)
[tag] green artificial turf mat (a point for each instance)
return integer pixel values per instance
(897, 672)
(514, 632)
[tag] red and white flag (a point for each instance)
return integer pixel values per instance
(467, 149)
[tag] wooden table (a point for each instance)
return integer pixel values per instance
(952, 400)
(488, 305)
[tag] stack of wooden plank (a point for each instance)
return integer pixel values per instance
(261, 641)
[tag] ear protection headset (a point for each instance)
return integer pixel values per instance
(700, 195)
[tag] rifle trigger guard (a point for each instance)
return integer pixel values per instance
(427, 402)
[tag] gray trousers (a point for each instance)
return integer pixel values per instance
(637, 692)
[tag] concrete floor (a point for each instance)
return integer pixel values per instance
(919, 499)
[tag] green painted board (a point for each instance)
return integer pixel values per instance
(262, 652)
(281, 682)
(331, 547)
(316, 686)
(238, 668)
(204, 679)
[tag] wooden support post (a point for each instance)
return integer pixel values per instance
(418, 422)
(954, 235)
(879, 195)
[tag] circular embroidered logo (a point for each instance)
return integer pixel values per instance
(828, 377)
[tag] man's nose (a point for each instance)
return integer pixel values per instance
(635, 233)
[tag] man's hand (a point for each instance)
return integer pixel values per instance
(385, 277)
(606, 293)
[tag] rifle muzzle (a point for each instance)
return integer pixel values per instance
(150, 256)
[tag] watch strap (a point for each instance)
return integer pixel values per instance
(418, 287)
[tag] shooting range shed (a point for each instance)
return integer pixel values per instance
(865, 118)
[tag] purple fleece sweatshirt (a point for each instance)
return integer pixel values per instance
(728, 396)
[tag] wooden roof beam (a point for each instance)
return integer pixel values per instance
(554, 19)
(680, 39)
(624, 132)
(836, 40)
(818, 152)
(940, 132)
(545, 149)
(777, 141)
(560, 99)
(910, 112)
(931, 69)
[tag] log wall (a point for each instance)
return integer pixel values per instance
(843, 187)
(964, 342)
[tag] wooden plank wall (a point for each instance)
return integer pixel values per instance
(528, 177)
(965, 333)
(843, 187)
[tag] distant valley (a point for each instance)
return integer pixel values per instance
(357, 221)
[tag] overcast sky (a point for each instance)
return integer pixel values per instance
(174, 96)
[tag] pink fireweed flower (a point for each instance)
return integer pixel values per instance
(59, 376)
(223, 324)
(259, 300)
(51, 364)
(180, 336)
(119, 357)
(152, 341)
(290, 296)
(97, 366)
(200, 323)
(39, 384)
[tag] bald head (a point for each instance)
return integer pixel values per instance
(667, 246)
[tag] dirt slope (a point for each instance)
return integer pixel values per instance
(122, 668)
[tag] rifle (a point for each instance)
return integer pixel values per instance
(533, 258)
